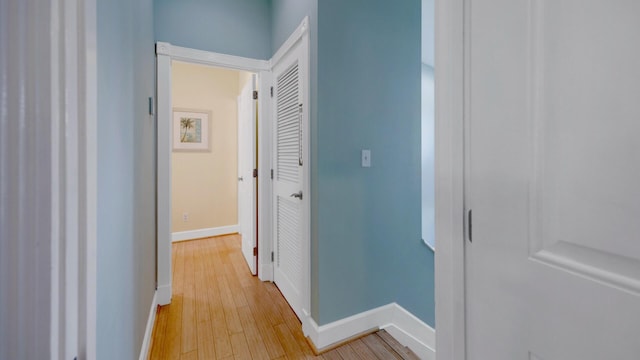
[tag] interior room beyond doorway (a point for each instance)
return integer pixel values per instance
(205, 181)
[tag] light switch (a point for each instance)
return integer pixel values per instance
(366, 158)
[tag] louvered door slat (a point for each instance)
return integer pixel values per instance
(289, 239)
(288, 125)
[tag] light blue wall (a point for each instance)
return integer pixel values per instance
(126, 180)
(428, 155)
(368, 231)
(234, 27)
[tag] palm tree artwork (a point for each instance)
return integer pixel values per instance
(190, 130)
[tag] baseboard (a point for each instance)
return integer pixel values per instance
(146, 342)
(204, 233)
(412, 333)
(397, 321)
(326, 336)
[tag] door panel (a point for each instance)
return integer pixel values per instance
(553, 166)
(288, 180)
(246, 164)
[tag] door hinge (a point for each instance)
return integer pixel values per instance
(470, 224)
(255, 251)
(255, 173)
(271, 90)
(271, 174)
(255, 94)
(272, 256)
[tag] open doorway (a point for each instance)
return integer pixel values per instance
(282, 149)
(213, 189)
(239, 72)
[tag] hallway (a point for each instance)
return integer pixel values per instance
(220, 311)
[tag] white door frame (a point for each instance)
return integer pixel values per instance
(166, 54)
(53, 84)
(450, 81)
(73, 157)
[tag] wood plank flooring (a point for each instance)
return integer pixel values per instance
(220, 311)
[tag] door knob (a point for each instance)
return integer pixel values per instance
(297, 195)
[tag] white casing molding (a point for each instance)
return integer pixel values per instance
(202, 57)
(204, 233)
(166, 54)
(397, 321)
(449, 184)
(146, 341)
(48, 179)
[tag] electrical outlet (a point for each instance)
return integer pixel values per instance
(185, 217)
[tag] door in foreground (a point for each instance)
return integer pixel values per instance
(552, 177)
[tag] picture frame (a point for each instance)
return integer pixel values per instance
(191, 130)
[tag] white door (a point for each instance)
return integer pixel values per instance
(288, 181)
(246, 165)
(553, 176)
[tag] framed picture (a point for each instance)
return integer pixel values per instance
(191, 130)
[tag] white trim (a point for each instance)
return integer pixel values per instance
(72, 109)
(327, 335)
(449, 184)
(210, 58)
(163, 178)
(146, 341)
(204, 233)
(412, 332)
(166, 53)
(402, 325)
(265, 266)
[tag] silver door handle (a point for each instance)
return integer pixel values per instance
(240, 178)
(297, 195)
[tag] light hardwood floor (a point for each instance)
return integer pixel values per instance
(220, 311)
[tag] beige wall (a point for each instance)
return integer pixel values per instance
(204, 184)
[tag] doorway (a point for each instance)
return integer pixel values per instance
(213, 154)
(167, 55)
(270, 228)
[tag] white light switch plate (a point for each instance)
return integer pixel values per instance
(366, 158)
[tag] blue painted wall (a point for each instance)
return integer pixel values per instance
(234, 27)
(368, 231)
(428, 155)
(126, 180)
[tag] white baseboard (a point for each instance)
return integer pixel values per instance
(412, 333)
(163, 294)
(204, 233)
(144, 351)
(397, 321)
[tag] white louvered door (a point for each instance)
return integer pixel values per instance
(288, 181)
